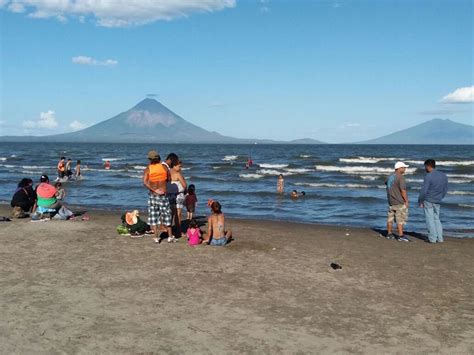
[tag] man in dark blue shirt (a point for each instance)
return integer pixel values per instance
(435, 187)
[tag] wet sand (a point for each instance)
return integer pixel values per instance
(78, 287)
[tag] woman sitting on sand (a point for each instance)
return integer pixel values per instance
(24, 196)
(217, 234)
(46, 194)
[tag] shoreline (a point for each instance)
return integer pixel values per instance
(116, 211)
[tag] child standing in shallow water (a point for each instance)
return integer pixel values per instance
(193, 233)
(190, 201)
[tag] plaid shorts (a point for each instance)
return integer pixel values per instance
(159, 209)
(397, 213)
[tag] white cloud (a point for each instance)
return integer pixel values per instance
(463, 95)
(84, 60)
(116, 13)
(16, 7)
(47, 120)
(76, 125)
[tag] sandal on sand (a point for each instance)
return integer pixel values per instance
(157, 240)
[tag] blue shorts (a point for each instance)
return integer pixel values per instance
(219, 242)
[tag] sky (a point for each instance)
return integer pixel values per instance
(332, 70)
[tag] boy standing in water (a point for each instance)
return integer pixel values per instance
(61, 167)
(280, 184)
(155, 178)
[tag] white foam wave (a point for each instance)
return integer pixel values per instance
(298, 170)
(35, 167)
(112, 159)
(465, 205)
(465, 176)
(139, 167)
(358, 170)
(251, 176)
(3, 159)
(184, 169)
(460, 181)
(216, 167)
(273, 172)
(8, 166)
(369, 177)
(367, 160)
(453, 163)
(273, 166)
(230, 157)
(305, 156)
(414, 180)
(349, 186)
(470, 193)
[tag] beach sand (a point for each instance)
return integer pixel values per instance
(78, 287)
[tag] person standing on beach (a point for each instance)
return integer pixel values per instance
(435, 188)
(155, 178)
(280, 184)
(398, 201)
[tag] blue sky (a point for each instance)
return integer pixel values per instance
(336, 71)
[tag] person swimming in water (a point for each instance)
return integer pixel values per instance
(61, 167)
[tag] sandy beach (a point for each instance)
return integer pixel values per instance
(79, 287)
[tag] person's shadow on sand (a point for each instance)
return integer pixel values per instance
(410, 234)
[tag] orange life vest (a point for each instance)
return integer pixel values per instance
(157, 172)
(61, 166)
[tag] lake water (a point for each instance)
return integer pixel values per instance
(344, 184)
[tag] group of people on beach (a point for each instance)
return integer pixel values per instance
(433, 191)
(45, 197)
(168, 194)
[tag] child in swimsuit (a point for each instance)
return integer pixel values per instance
(190, 202)
(193, 233)
(217, 233)
(60, 193)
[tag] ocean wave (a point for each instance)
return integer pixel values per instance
(35, 167)
(3, 158)
(273, 166)
(470, 193)
(251, 176)
(358, 170)
(230, 157)
(414, 180)
(349, 186)
(462, 176)
(465, 205)
(139, 167)
(460, 181)
(305, 156)
(273, 172)
(299, 170)
(369, 177)
(113, 159)
(366, 160)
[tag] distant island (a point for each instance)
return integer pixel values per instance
(435, 131)
(151, 122)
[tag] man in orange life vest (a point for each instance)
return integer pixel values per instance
(155, 178)
(62, 167)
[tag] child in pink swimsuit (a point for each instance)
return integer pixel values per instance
(193, 233)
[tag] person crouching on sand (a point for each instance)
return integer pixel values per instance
(217, 234)
(155, 178)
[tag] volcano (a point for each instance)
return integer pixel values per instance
(147, 122)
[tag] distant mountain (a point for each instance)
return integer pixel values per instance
(435, 131)
(147, 122)
(305, 141)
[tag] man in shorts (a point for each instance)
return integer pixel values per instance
(398, 202)
(155, 178)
